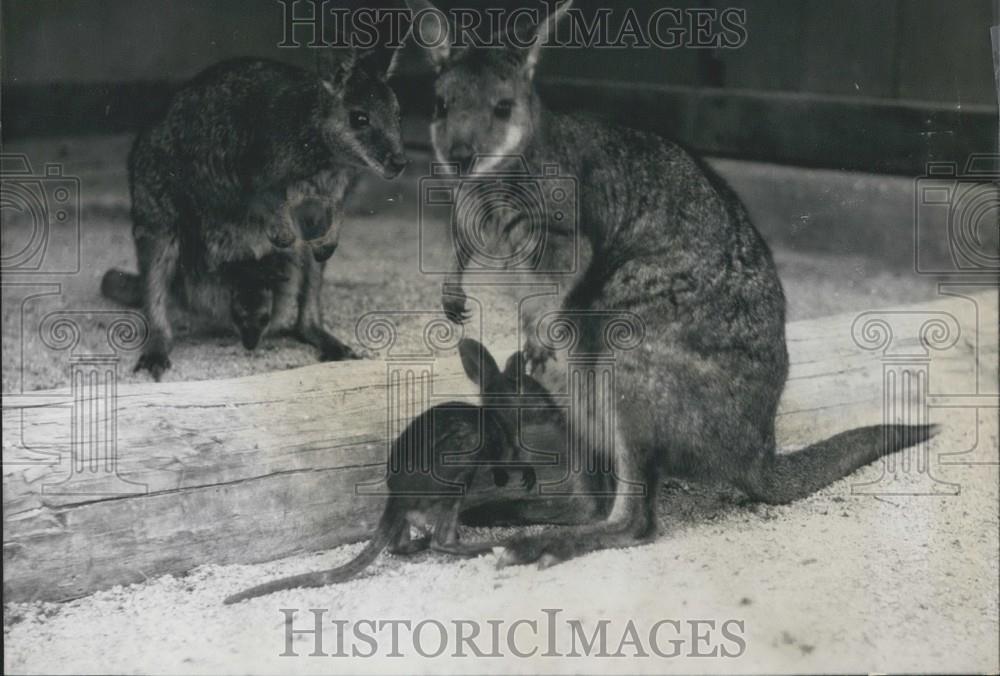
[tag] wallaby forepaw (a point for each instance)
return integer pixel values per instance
(458, 316)
(411, 547)
(283, 237)
(535, 358)
(528, 478)
(455, 307)
(323, 252)
(155, 362)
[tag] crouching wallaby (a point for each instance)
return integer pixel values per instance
(214, 181)
(662, 238)
(432, 464)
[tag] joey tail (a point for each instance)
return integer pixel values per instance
(796, 475)
(122, 287)
(390, 526)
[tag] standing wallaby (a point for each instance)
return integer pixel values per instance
(430, 469)
(662, 238)
(214, 181)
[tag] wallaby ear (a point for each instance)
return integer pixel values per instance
(431, 31)
(381, 61)
(543, 35)
(478, 363)
(394, 63)
(334, 67)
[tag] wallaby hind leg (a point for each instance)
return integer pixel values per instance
(157, 267)
(309, 327)
(631, 522)
(446, 538)
(555, 511)
(584, 504)
(463, 548)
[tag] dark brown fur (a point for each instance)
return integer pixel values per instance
(217, 179)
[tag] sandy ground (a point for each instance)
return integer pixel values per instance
(836, 582)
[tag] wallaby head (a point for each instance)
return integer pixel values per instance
(485, 102)
(251, 297)
(250, 309)
(519, 403)
(358, 111)
(507, 388)
(482, 369)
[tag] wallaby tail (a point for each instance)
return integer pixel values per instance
(389, 528)
(122, 287)
(796, 475)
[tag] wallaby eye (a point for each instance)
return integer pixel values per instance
(264, 320)
(359, 119)
(440, 107)
(503, 109)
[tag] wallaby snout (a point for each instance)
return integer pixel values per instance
(396, 165)
(250, 338)
(463, 154)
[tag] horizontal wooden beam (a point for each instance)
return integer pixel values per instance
(256, 468)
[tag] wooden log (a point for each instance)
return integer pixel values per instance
(257, 468)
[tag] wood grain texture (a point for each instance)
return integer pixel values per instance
(257, 468)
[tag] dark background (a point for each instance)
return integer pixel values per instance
(878, 85)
